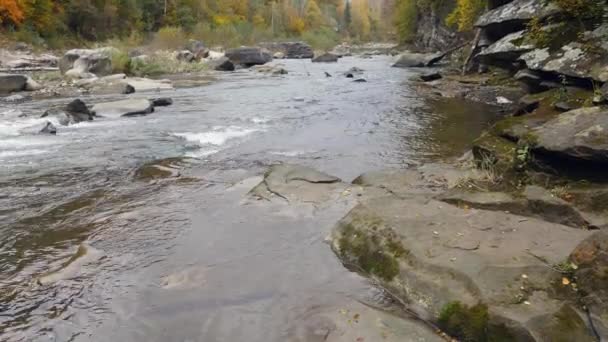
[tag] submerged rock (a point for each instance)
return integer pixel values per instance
(74, 266)
(249, 56)
(325, 58)
(298, 183)
(130, 107)
(416, 60)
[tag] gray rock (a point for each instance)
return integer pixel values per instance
(578, 135)
(514, 15)
(82, 62)
(505, 50)
(185, 56)
(572, 60)
(565, 106)
(325, 58)
(130, 107)
(78, 111)
(431, 255)
(31, 85)
(12, 82)
(532, 80)
(249, 56)
(360, 80)
(415, 60)
(298, 183)
(222, 64)
(48, 128)
(198, 49)
(290, 50)
(162, 102)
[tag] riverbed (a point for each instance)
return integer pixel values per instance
(94, 248)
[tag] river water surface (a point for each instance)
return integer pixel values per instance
(93, 248)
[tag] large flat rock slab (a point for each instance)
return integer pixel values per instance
(432, 255)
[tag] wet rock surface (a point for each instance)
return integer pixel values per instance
(325, 58)
(128, 107)
(12, 83)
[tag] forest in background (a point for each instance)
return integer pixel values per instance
(222, 22)
(322, 23)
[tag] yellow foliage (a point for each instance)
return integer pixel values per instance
(296, 24)
(465, 14)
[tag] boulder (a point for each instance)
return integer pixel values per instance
(480, 275)
(430, 77)
(198, 49)
(578, 135)
(513, 16)
(249, 56)
(222, 64)
(185, 56)
(74, 112)
(31, 85)
(574, 59)
(130, 107)
(416, 60)
(291, 50)
(48, 128)
(278, 55)
(84, 61)
(506, 50)
(12, 82)
(162, 102)
(79, 111)
(325, 58)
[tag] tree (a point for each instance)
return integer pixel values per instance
(347, 15)
(10, 12)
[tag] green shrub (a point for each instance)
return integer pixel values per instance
(121, 63)
(321, 39)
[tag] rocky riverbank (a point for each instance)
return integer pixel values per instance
(509, 242)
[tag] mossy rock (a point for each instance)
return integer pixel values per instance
(375, 252)
(472, 324)
(494, 153)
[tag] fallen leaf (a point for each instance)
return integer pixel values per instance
(356, 316)
(565, 281)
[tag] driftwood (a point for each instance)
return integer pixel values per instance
(29, 69)
(437, 59)
(465, 66)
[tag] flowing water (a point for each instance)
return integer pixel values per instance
(94, 248)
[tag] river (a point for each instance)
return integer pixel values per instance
(188, 258)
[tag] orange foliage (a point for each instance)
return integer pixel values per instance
(9, 9)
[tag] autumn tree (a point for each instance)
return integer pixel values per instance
(10, 12)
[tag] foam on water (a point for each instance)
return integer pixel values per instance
(217, 136)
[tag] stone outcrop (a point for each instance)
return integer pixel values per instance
(451, 262)
(84, 63)
(513, 16)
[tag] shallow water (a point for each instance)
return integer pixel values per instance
(188, 260)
